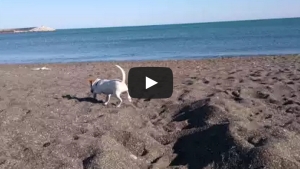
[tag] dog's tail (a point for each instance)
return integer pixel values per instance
(123, 73)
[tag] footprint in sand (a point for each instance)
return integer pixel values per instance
(185, 93)
(188, 82)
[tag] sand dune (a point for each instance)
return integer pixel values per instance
(224, 113)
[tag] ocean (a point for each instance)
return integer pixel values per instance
(162, 42)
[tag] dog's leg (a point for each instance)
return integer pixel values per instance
(94, 95)
(128, 96)
(107, 99)
(118, 96)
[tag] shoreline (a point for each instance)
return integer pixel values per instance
(153, 61)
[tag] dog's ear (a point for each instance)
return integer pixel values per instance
(91, 81)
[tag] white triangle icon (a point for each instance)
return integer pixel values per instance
(150, 82)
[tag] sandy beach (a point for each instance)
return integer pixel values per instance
(224, 113)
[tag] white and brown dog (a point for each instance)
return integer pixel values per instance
(110, 87)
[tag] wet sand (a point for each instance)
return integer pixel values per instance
(224, 113)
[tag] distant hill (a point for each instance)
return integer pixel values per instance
(30, 29)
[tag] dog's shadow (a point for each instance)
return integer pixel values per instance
(83, 99)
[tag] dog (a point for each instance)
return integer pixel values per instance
(110, 88)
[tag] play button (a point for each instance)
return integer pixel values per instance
(150, 82)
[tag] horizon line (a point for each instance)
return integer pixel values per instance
(166, 24)
(182, 23)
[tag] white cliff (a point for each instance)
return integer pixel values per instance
(31, 29)
(41, 29)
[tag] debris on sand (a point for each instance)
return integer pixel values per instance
(41, 68)
(133, 156)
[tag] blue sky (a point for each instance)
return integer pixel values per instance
(106, 13)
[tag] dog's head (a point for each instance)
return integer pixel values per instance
(91, 81)
(92, 84)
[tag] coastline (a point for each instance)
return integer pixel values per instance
(233, 112)
(154, 61)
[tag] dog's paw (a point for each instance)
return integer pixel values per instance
(94, 96)
(105, 104)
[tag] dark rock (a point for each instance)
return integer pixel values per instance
(46, 144)
(273, 101)
(226, 91)
(288, 102)
(255, 74)
(293, 110)
(268, 116)
(75, 137)
(236, 93)
(255, 79)
(262, 95)
(269, 87)
(152, 116)
(188, 82)
(97, 134)
(205, 81)
(257, 141)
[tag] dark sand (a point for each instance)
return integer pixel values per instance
(224, 113)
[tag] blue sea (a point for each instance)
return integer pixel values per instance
(163, 42)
